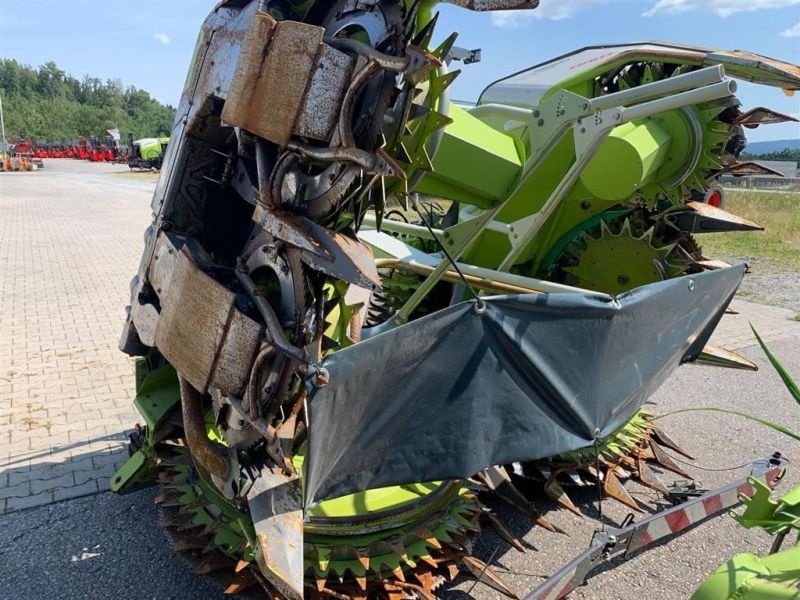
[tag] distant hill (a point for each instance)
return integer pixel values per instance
(757, 148)
(47, 103)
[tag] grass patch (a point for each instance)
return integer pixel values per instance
(775, 249)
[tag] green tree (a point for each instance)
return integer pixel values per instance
(47, 103)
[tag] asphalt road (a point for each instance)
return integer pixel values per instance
(107, 546)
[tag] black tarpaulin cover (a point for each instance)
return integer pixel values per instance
(529, 377)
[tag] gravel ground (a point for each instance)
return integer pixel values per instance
(101, 546)
(780, 288)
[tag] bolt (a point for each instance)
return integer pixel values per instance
(541, 122)
(322, 378)
(691, 285)
(623, 279)
(586, 205)
(536, 114)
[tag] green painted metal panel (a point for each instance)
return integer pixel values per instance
(158, 394)
(627, 160)
(135, 468)
(474, 163)
(748, 577)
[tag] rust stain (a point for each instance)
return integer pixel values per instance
(481, 5)
(763, 116)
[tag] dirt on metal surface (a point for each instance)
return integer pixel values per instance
(481, 5)
(287, 82)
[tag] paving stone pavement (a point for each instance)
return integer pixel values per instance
(70, 240)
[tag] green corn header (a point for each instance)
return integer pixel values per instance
(322, 194)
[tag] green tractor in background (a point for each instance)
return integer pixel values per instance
(146, 154)
(321, 190)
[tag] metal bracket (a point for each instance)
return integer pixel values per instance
(625, 541)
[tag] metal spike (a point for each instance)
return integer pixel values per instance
(429, 560)
(184, 543)
(503, 532)
(440, 83)
(444, 48)
(175, 519)
(240, 583)
(323, 558)
(425, 578)
(485, 574)
(626, 228)
(719, 357)
(241, 566)
(432, 541)
(666, 462)
(648, 477)
(397, 546)
(212, 527)
(398, 573)
(554, 490)
(614, 489)
(420, 591)
(700, 217)
(762, 116)
(210, 564)
(363, 559)
(498, 480)
(663, 439)
(167, 496)
(423, 38)
(713, 265)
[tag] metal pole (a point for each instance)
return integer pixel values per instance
(671, 85)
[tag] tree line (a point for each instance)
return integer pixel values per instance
(787, 154)
(47, 103)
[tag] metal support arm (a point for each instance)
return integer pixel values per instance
(613, 543)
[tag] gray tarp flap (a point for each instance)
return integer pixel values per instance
(532, 376)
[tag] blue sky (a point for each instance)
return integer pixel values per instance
(149, 43)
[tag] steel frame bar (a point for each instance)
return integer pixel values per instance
(612, 543)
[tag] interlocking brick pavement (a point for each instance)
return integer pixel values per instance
(70, 240)
(771, 322)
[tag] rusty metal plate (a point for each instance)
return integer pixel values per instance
(288, 228)
(705, 218)
(758, 68)
(320, 111)
(243, 90)
(481, 5)
(275, 503)
(763, 116)
(242, 340)
(351, 260)
(287, 82)
(201, 333)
